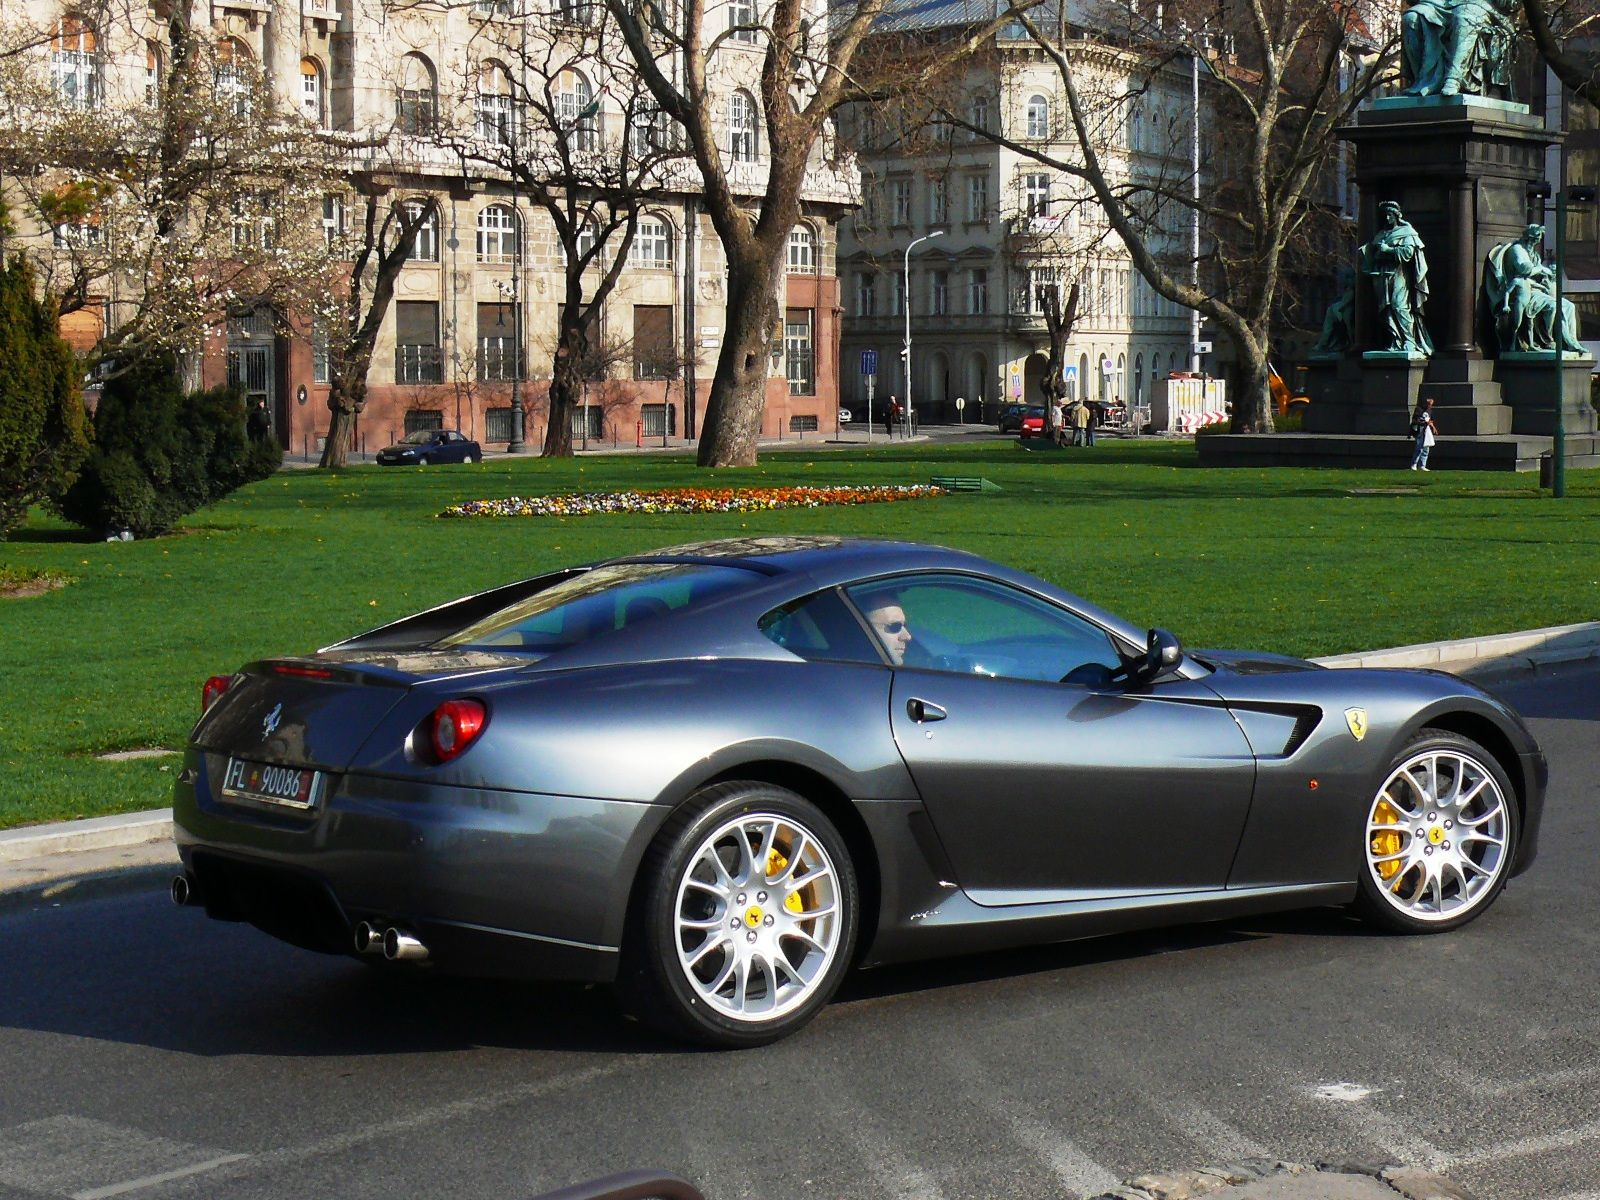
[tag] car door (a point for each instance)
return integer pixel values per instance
(1043, 790)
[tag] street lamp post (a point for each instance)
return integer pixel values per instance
(905, 353)
(1558, 443)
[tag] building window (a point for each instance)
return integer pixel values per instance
(742, 139)
(743, 21)
(802, 250)
(938, 200)
(152, 74)
(422, 420)
(652, 244)
(416, 351)
(232, 78)
(78, 235)
(578, 112)
(497, 342)
(1036, 195)
(1038, 118)
(978, 197)
(1044, 287)
(939, 293)
(654, 347)
(799, 364)
(74, 69)
(254, 222)
(897, 302)
(978, 291)
(426, 247)
(320, 372)
(981, 115)
(417, 101)
(497, 235)
(492, 106)
(649, 132)
(311, 92)
(575, 12)
(900, 201)
(333, 226)
(866, 294)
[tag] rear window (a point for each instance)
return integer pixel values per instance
(596, 602)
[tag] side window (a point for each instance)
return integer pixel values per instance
(820, 628)
(972, 626)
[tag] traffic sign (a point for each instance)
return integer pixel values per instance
(1069, 374)
(1202, 347)
(869, 362)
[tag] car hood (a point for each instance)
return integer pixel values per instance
(1253, 662)
(397, 448)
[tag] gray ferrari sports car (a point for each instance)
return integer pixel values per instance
(722, 774)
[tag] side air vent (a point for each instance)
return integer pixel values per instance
(1308, 720)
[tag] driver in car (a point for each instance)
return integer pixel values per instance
(888, 621)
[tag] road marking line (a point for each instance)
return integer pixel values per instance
(1216, 1137)
(1523, 1147)
(1369, 1122)
(135, 1185)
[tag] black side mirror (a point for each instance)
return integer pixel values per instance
(1162, 653)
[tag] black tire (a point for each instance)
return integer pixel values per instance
(423, 461)
(474, 457)
(660, 988)
(1392, 889)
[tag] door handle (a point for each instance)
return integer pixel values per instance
(923, 710)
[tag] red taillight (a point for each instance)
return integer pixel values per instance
(455, 725)
(302, 672)
(212, 692)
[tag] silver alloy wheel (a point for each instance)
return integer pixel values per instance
(1437, 835)
(757, 917)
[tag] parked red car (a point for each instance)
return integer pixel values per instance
(1033, 422)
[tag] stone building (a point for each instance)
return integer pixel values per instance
(408, 82)
(1006, 230)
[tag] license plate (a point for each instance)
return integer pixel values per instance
(263, 783)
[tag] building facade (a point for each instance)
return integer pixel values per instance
(972, 235)
(410, 86)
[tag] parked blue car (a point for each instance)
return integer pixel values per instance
(431, 446)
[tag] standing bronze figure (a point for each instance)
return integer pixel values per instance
(1395, 262)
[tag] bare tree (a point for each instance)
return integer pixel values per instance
(353, 313)
(810, 64)
(547, 109)
(1560, 32)
(1295, 72)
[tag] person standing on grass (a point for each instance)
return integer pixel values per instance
(1423, 429)
(1082, 421)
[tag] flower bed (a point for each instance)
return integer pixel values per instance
(688, 500)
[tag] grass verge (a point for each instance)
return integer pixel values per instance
(1300, 561)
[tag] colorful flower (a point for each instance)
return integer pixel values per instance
(690, 500)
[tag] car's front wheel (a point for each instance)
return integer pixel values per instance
(1440, 836)
(747, 918)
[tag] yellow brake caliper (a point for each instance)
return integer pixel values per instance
(777, 864)
(1385, 844)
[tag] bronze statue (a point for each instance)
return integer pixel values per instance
(1395, 262)
(1338, 325)
(1448, 47)
(1520, 301)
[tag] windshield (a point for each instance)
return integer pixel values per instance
(594, 603)
(420, 438)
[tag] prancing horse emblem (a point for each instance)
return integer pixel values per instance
(1356, 718)
(269, 723)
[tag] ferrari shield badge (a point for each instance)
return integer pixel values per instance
(1356, 718)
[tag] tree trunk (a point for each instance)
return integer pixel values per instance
(566, 390)
(732, 422)
(1252, 398)
(347, 396)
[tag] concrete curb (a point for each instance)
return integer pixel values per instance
(1530, 650)
(98, 833)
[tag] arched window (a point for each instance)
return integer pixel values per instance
(652, 243)
(233, 74)
(426, 247)
(1039, 117)
(742, 138)
(74, 69)
(1138, 379)
(152, 74)
(492, 105)
(497, 235)
(311, 93)
(1083, 377)
(1155, 373)
(802, 250)
(577, 111)
(417, 98)
(1122, 378)
(980, 113)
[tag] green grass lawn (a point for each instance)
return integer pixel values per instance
(1303, 561)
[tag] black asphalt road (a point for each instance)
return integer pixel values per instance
(149, 1053)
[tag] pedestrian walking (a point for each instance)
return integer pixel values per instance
(1083, 423)
(890, 412)
(1058, 423)
(1424, 431)
(258, 422)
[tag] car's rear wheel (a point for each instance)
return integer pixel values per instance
(474, 457)
(747, 918)
(1439, 838)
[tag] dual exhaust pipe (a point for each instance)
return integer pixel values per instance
(394, 943)
(391, 941)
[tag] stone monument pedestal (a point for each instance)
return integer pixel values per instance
(1529, 381)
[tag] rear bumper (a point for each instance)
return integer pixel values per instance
(494, 883)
